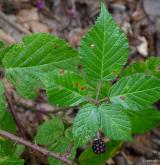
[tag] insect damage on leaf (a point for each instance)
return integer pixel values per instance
(76, 84)
(61, 71)
(158, 68)
(114, 72)
(79, 67)
(122, 97)
(82, 88)
(56, 46)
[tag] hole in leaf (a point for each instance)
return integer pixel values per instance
(82, 88)
(61, 72)
(122, 97)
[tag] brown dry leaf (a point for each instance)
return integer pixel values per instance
(126, 27)
(27, 15)
(75, 36)
(18, 1)
(36, 26)
(142, 144)
(110, 162)
(138, 15)
(6, 38)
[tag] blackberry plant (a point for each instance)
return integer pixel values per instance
(112, 100)
(98, 146)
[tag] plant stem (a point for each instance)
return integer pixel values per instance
(1, 73)
(90, 99)
(13, 23)
(68, 152)
(35, 147)
(105, 99)
(98, 135)
(11, 108)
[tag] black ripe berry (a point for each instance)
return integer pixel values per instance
(98, 146)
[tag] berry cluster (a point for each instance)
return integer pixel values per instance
(98, 146)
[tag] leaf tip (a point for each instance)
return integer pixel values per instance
(103, 7)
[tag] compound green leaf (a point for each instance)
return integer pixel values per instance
(37, 54)
(153, 63)
(37, 50)
(114, 122)
(7, 123)
(27, 82)
(6, 148)
(8, 151)
(92, 87)
(144, 120)
(136, 91)
(1, 51)
(65, 88)
(136, 67)
(60, 146)
(11, 161)
(69, 134)
(1, 44)
(86, 124)
(88, 157)
(104, 49)
(149, 67)
(19, 150)
(6, 120)
(49, 131)
(2, 101)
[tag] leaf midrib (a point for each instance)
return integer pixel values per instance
(135, 92)
(38, 66)
(104, 38)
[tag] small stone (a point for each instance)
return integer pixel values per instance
(26, 15)
(38, 27)
(119, 7)
(143, 47)
(152, 8)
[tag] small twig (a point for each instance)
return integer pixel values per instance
(126, 158)
(90, 99)
(35, 147)
(98, 135)
(15, 25)
(68, 152)
(2, 72)
(40, 107)
(11, 108)
(121, 72)
(46, 111)
(105, 99)
(6, 37)
(37, 108)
